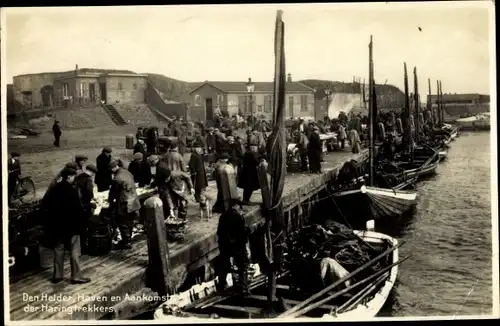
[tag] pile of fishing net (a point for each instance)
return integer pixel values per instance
(309, 245)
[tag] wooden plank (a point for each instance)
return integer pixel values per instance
(248, 310)
(289, 301)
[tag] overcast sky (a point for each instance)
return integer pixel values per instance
(198, 43)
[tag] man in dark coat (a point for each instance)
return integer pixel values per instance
(140, 147)
(235, 150)
(225, 178)
(123, 202)
(248, 177)
(210, 137)
(14, 167)
(64, 225)
(314, 151)
(85, 184)
(161, 177)
(104, 176)
(198, 174)
(174, 159)
(141, 170)
(220, 141)
(232, 237)
(56, 129)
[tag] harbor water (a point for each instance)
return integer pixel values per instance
(449, 238)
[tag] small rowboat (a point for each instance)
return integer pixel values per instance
(203, 302)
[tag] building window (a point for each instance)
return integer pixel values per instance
(303, 103)
(197, 100)
(135, 86)
(268, 103)
(81, 90)
(119, 86)
(220, 100)
(290, 105)
(65, 89)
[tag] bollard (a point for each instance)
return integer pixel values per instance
(158, 253)
(399, 125)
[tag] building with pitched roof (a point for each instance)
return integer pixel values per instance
(234, 97)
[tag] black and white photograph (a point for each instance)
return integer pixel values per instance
(249, 162)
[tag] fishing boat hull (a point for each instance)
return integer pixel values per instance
(422, 168)
(205, 293)
(372, 203)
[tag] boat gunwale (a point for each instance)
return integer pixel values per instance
(379, 297)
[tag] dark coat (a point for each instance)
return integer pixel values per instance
(141, 172)
(160, 180)
(314, 152)
(65, 216)
(210, 138)
(86, 187)
(56, 129)
(236, 153)
(138, 148)
(103, 176)
(248, 178)
(123, 194)
(198, 172)
(232, 231)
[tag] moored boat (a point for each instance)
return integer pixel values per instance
(477, 122)
(203, 301)
(418, 168)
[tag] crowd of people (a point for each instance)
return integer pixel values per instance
(158, 162)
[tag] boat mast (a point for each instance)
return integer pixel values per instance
(277, 162)
(407, 111)
(429, 101)
(372, 119)
(441, 101)
(438, 102)
(417, 105)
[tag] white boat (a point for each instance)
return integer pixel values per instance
(179, 307)
(477, 122)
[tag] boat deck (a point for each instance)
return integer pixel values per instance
(33, 296)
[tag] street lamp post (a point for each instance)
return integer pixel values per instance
(250, 90)
(327, 93)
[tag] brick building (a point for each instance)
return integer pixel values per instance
(235, 98)
(79, 87)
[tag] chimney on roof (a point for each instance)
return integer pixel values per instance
(289, 78)
(76, 67)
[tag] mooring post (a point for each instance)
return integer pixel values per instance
(158, 254)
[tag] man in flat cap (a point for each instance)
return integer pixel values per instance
(141, 170)
(85, 183)
(174, 160)
(199, 175)
(210, 137)
(64, 224)
(81, 161)
(103, 176)
(225, 178)
(248, 180)
(123, 202)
